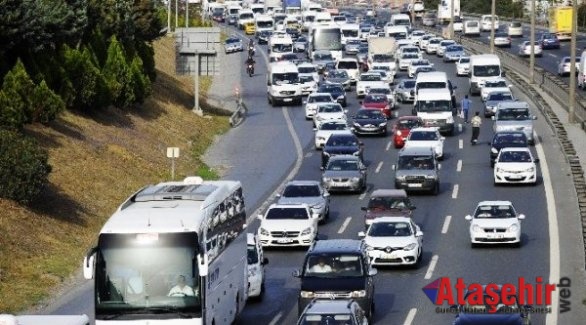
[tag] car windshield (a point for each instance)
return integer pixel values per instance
(382, 58)
(352, 65)
(512, 114)
(496, 84)
(420, 62)
(330, 108)
(389, 229)
(515, 157)
(375, 99)
(307, 69)
(342, 142)
(510, 140)
(282, 48)
(252, 255)
(472, 24)
(494, 211)
(330, 88)
(487, 70)
(333, 126)
(434, 41)
(343, 165)
(319, 99)
(340, 74)
(287, 213)
(304, 79)
(285, 78)
(334, 265)
(379, 91)
(408, 84)
(301, 191)
(370, 114)
(410, 50)
(322, 56)
(408, 123)
(329, 318)
(388, 203)
(370, 77)
(454, 48)
(503, 35)
(499, 97)
(434, 106)
(416, 162)
(409, 55)
(423, 136)
(381, 68)
(232, 41)
(464, 60)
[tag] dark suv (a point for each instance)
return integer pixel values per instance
(341, 144)
(337, 269)
(417, 170)
(387, 203)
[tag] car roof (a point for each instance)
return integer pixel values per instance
(301, 183)
(388, 192)
(336, 245)
(329, 306)
(425, 129)
(523, 149)
(496, 202)
(392, 219)
(287, 206)
(344, 157)
(319, 94)
(306, 64)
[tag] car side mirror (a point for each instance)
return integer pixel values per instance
(345, 111)
(419, 234)
(372, 271)
(278, 195)
(259, 217)
(322, 168)
(468, 217)
(265, 261)
(314, 129)
(443, 138)
(297, 273)
(394, 167)
(536, 160)
(361, 234)
(315, 215)
(534, 117)
(521, 217)
(326, 194)
(304, 102)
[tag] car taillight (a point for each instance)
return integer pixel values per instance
(399, 133)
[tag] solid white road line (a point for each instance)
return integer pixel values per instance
(459, 165)
(378, 167)
(276, 319)
(388, 146)
(344, 225)
(410, 316)
(554, 238)
(446, 225)
(431, 267)
(455, 191)
(461, 144)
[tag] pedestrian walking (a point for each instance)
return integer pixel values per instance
(465, 108)
(476, 121)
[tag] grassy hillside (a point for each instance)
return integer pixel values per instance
(97, 161)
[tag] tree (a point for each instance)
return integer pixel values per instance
(24, 167)
(141, 83)
(46, 105)
(147, 23)
(91, 91)
(16, 102)
(118, 75)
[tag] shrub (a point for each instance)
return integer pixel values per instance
(118, 75)
(46, 104)
(24, 169)
(15, 100)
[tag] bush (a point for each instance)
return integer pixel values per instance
(46, 104)
(141, 82)
(24, 169)
(118, 75)
(15, 100)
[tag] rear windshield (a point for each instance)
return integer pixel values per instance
(347, 65)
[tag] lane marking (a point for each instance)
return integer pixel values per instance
(446, 225)
(308, 154)
(410, 316)
(344, 225)
(276, 319)
(432, 264)
(378, 167)
(461, 144)
(455, 191)
(388, 146)
(459, 127)
(362, 196)
(459, 165)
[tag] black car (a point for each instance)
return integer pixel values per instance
(490, 314)
(336, 90)
(369, 121)
(506, 139)
(293, 32)
(341, 144)
(337, 269)
(264, 36)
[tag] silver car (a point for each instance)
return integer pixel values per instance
(310, 193)
(453, 53)
(233, 44)
(564, 66)
(404, 91)
(514, 116)
(352, 47)
(344, 173)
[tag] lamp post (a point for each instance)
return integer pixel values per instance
(532, 45)
(572, 92)
(493, 13)
(452, 19)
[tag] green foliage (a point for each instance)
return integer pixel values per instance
(45, 104)
(503, 8)
(15, 99)
(24, 167)
(118, 75)
(140, 82)
(146, 21)
(91, 91)
(147, 55)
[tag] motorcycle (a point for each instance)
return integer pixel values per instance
(250, 70)
(251, 51)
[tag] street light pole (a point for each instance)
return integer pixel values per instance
(176, 14)
(532, 45)
(493, 13)
(168, 16)
(572, 92)
(452, 19)
(186, 13)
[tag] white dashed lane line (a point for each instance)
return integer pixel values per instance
(344, 225)
(461, 144)
(276, 319)
(459, 165)
(455, 191)
(410, 316)
(378, 167)
(388, 146)
(446, 225)
(431, 268)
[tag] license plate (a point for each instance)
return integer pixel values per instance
(284, 241)
(415, 185)
(390, 255)
(496, 236)
(515, 176)
(287, 99)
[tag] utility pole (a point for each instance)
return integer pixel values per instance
(186, 13)
(452, 19)
(572, 92)
(532, 45)
(168, 16)
(493, 13)
(176, 14)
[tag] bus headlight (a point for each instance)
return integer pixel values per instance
(358, 294)
(307, 294)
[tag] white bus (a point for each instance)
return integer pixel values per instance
(326, 37)
(164, 237)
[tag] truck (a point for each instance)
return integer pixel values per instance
(418, 8)
(271, 5)
(292, 7)
(381, 50)
(560, 22)
(444, 11)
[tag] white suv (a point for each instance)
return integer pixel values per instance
(288, 225)
(256, 266)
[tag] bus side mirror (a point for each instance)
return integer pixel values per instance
(203, 264)
(89, 263)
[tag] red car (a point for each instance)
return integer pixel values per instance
(402, 128)
(377, 101)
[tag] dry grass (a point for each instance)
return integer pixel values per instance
(97, 162)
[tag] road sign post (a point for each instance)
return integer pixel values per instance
(172, 153)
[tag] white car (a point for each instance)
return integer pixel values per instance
(416, 64)
(515, 166)
(386, 68)
(525, 49)
(441, 50)
(406, 58)
(409, 49)
(308, 84)
(463, 66)
(433, 45)
(564, 66)
(307, 68)
(313, 100)
(256, 269)
(495, 222)
(426, 137)
(515, 29)
(425, 40)
(458, 24)
(327, 129)
(287, 225)
(393, 241)
(386, 77)
(329, 111)
(416, 35)
(367, 80)
(351, 66)
(489, 86)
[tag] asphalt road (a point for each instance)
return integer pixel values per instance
(262, 151)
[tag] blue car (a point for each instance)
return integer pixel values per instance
(548, 41)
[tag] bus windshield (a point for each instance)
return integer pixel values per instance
(327, 39)
(147, 274)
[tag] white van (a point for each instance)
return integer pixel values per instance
(279, 44)
(483, 67)
(264, 22)
(283, 83)
(581, 71)
(471, 28)
(434, 107)
(350, 32)
(397, 32)
(307, 18)
(245, 16)
(486, 22)
(256, 267)
(434, 80)
(400, 20)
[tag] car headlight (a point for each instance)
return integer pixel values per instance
(382, 125)
(514, 228)
(358, 294)
(400, 177)
(476, 228)
(357, 125)
(306, 231)
(410, 247)
(398, 133)
(450, 120)
(318, 206)
(307, 294)
(355, 179)
(264, 232)
(494, 150)
(325, 179)
(530, 169)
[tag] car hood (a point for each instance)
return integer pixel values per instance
(301, 200)
(488, 319)
(415, 172)
(495, 223)
(375, 213)
(341, 173)
(341, 149)
(367, 121)
(422, 144)
(515, 166)
(331, 116)
(285, 224)
(333, 284)
(337, 80)
(395, 242)
(327, 133)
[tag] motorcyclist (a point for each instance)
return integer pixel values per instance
(250, 64)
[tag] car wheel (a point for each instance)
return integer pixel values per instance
(473, 245)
